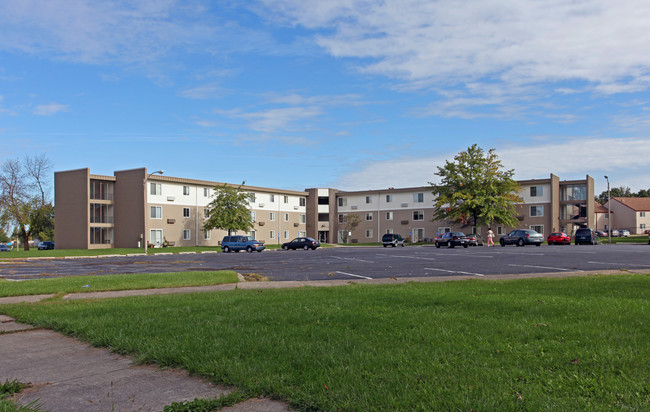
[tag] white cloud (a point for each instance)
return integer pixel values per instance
(572, 158)
(50, 109)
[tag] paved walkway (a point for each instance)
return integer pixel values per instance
(68, 375)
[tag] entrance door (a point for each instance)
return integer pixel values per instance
(156, 237)
(418, 235)
(323, 236)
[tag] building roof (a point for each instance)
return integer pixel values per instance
(639, 204)
(598, 208)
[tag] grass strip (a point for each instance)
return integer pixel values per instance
(578, 343)
(79, 284)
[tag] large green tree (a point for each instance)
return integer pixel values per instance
(24, 200)
(622, 191)
(229, 210)
(474, 189)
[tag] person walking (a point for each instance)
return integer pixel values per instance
(490, 236)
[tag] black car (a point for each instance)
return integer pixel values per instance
(452, 239)
(301, 243)
(392, 239)
(4, 248)
(585, 236)
(47, 245)
(521, 237)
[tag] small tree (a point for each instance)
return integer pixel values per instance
(229, 210)
(474, 190)
(351, 223)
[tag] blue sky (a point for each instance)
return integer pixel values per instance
(348, 94)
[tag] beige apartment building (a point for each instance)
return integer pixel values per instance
(134, 206)
(629, 213)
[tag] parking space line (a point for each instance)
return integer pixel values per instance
(544, 267)
(455, 271)
(414, 257)
(356, 260)
(619, 264)
(351, 274)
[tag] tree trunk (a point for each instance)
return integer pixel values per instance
(25, 238)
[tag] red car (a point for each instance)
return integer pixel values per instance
(559, 238)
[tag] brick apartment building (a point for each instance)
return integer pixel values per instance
(134, 206)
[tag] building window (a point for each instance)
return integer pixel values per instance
(156, 236)
(251, 197)
(207, 234)
(303, 201)
(536, 211)
(418, 215)
(253, 216)
(156, 212)
(271, 198)
(418, 197)
(253, 234)
(272, 234)
(206, 192)
(272, 217)
(538, 228)
(389, 198)
(187, 234)
(642, 226)
(155, 188)
(389, 215)
(368, 199)
(323, 200)
(303, 218)
(368, 216)
(341, 218)
(536, 191)
(499, 230)
(186, 212)
(286, 234)
(286, 217)
(302, 234)
(389, 231)
(186, 190)
(641, 214)
(368, 233)
(323, 217)
(286, 199)
(343, 201)
(443, 229)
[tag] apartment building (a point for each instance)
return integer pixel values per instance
(134, 206)
(632, 213)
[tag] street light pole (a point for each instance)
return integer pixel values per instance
(609, 212)
(144, 185)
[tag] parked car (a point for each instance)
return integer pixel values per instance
(558, 238)
(624, 232)
(585, 235)
(474, 240)
(46, 245)
(601, 233)
(521, 237)
(301, 243)
(237, 243)
(614, 233)
(392, 239)
(649, 238)
(4, 248)
(452, 239)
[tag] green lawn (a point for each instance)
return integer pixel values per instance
(628, 239)
(578, 343)
(72, 284)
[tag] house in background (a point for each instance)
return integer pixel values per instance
(601, 217)
(632, 213)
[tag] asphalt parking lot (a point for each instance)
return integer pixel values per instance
(354, 262)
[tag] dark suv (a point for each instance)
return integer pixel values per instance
(392, 239)
(584, 235)
(237, 243)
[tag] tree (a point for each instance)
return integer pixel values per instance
(622, 191)
(229, 210)
(351, 222)
(23, 197)
(474, 190)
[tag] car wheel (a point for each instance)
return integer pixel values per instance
(402, 244)
(385, 245)
(538, 244)
(438, 244)
(226, 249)
(285, 247)
(306, 247)
(450, 245)
(393, 245)
(249, 249)
(502, 242)
(520, 243)
(465, 245)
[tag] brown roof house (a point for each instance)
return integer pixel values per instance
(632, 213)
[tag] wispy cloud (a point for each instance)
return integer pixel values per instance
(50, 109)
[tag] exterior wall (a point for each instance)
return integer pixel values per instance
(130, 223)
(71, 200)
(630, 218)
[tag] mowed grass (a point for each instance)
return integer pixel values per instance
(578, 343)
(72, 284)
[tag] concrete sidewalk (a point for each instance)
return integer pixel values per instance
(68, 375)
